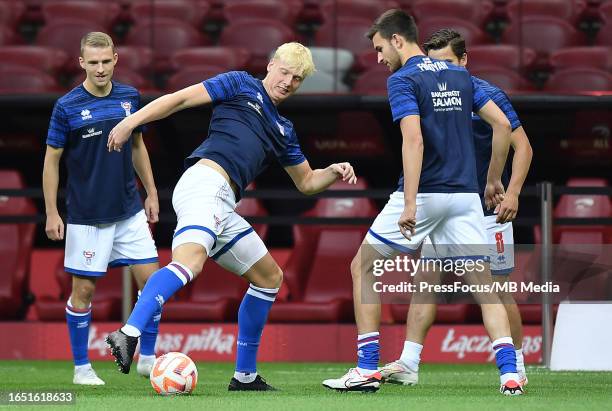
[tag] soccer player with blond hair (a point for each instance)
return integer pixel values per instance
(246, 133)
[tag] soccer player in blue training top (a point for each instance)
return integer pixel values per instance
(246, 133)
(437, 194)
(449, 46)
(107, 225)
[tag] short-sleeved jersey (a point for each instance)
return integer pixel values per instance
(246, 131)
(101, 186)
(444, 97)
(483, 136)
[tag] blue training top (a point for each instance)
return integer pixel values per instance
(101, 186)
(483, 136)
(246, 132)
(444, 97)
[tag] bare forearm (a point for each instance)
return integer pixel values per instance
(50, 180)
(159, 108)
(412, 160)
(142, 165)
(499, 152)
(520, 168)
(319, 180)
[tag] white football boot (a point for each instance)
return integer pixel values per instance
(397, 372)
(353, 380)
(86, 376)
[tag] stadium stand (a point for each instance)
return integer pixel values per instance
(15, 247)
(506, 79)
(192, 75)
(579, 79)
(9, 37)
(475, 11)
(361, 9)
(604, 35)
(286, 12)
(373, 81)
(598, 57)
(26, 80)
(47, 59)
(11, 13)
(568, 10)
(104, 13)
(512, 57)
(191, 12)
(230, 58)
(345, 33)
(471, 33)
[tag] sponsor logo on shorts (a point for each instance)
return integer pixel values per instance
(89, 255)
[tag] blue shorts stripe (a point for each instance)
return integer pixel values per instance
(122, 262)
(198, 227)
(233, 241)
(505, 271)
(85, 273)
(392, 244)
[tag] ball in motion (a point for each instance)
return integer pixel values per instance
(174, 373)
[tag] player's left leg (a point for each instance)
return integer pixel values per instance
(134, 246)
(240, 250)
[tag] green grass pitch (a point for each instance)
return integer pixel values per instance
(441, 387)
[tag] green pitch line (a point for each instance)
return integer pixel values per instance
(452, 387)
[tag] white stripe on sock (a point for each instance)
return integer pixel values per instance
(178, 272)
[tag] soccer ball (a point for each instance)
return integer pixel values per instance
(174, 373)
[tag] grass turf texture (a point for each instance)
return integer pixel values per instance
(456, 387)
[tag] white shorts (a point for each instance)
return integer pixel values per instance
(501, 242)
(91, 249)
(453, 221)
(204, 204)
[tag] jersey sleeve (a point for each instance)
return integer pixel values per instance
(481, 97)
(293, 153)
(58, 127)
(503, 102)
(224, 86)
(402, 97)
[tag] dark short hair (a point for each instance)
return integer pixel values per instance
(394, 21)
(443, 38)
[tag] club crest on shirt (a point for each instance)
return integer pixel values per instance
(89, 255)
(85, 114)
(127, 106)
(260, 98)
(281, 128)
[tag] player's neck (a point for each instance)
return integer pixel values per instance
(410, 51)
(98, 91)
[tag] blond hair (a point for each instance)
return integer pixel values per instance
(97, 39)
(297, 56)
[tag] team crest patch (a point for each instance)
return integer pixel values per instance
(127, 106)
(89, 255)
(260, 98)
(85, 114)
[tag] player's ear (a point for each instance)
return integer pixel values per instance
(463, 60)
(115, 58)
(82, 63)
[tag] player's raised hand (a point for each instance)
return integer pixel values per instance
(119, 135)
(151, 206)
(507, 209)
(54, 227)
(345, 170)
(494, 194)
(407, 221)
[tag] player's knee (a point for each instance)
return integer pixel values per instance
(192, 255)
(273, 278)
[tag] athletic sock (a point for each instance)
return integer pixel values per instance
(149, 333)
(411, 355)
(78, 321)
(505, 357)
(368, 352)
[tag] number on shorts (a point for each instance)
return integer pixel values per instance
(499, 241)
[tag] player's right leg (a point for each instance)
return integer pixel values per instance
(86, 258)
(203, 202)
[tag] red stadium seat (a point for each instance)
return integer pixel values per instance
(373, 81)
(361, 9)
(568, 10)
(25, 80)
(66, 35)
(470, 32)
(604, 35)
(366, 60)
(168, 36)
(192, 12)
(192, 75)
(345, 33)
(507, 56)
(285, 12)
(135, 58)
(124, 76)
(260, 37)
(579, 79)
(94, 12)
(605, 12)
(542, 34)
(475, 11)
(318, 271)
(252, 207)
(47, 59)
(11, 13)
(503, 78)
(214, 296)
(593, 57)
(8, 36)
(15, 247)
(230, 58)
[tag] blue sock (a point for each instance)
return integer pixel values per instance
(162, 285)
(252, 317)
(149, 333)
(368, 351)
(78, 321)
(505, 355)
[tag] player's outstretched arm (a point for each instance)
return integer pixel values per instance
(498, 121)
(507, 210)
(54, 226)
(159, 108)
(310, 181)
(412, 161)
(142, 165)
